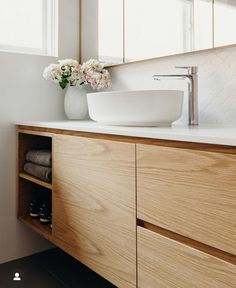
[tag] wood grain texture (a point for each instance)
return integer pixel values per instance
(35, 180)
(38, 227)
(36, 132)
(94, 216)
(27, 184)
(130, 139)
(192, 193)
(165, 263)
(25, 195)
(190, 242)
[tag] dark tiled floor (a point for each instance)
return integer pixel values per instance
(50, 269)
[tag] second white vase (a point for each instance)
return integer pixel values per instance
(75, 103)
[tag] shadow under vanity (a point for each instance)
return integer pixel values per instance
(140, 212)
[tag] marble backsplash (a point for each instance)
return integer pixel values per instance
(216, 87)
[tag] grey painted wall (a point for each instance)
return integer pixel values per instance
(25, 95)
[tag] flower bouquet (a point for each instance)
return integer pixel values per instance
(70, 74)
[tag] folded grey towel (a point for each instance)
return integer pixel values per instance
(41, 172)
(40, 157)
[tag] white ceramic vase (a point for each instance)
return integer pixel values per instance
(75, 102)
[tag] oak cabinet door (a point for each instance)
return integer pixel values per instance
(192, 193)
(166, 263)
(94, 205)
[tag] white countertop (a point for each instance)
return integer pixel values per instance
(211, 134)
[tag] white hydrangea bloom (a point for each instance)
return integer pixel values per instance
(92, 64)
(68, 62)
(53, 72)
(70, 72)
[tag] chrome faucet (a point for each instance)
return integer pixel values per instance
(192, 80)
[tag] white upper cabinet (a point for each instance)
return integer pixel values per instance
(224, 22)
(155, 28)
(120, 31)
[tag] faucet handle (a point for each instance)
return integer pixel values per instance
(190, 69)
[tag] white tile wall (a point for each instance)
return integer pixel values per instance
(217, 81)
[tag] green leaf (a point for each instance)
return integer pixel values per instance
(63, 83)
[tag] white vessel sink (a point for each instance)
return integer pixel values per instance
(136, 108)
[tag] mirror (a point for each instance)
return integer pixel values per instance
(102, 30)
(167, 27)
(118, 31)
(110, 31)
(224, 22)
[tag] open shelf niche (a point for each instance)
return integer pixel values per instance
(29, 186)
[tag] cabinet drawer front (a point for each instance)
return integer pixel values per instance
(192, 193)
(94, 217)
(163, 262)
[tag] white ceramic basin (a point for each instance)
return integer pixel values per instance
(136, 108)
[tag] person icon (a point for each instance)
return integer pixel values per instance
(17, 277)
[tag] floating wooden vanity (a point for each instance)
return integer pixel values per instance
(140, 212)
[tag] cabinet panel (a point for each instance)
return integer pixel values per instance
(94, 205)
(163, 262)
(192, 193)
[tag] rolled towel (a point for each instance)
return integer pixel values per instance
(40, 157)
(41, 172)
